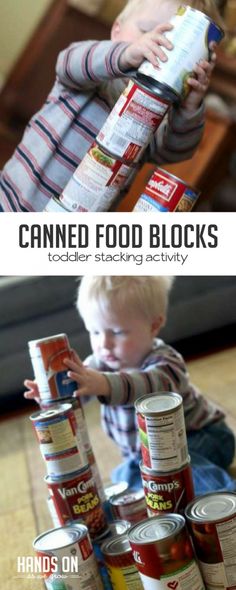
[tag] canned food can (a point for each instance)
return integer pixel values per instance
(113, 490)
(162, 431)
(96, 182)
(191, 36)
(212, 519)
(55, 206)
(119, 527)
(67, 560)
(56, 433)
(164, 555)
(165, 192)
(167, 492)
(129, 506)
(76, 497)
(120, 564)
(135, 117)
(47, 355)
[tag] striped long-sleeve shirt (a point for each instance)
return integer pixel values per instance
(163, 369)
(59, 135)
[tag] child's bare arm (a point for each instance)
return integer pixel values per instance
(90, 382)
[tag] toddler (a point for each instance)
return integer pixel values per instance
(90, 77)
(124, 316)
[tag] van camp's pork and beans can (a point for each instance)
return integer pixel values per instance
(135, 117)
(191, 37)
(76, 497)
(47, 355)
(129, 506)
(56, 433)
(120, 564)
(212, 518)
(167, 492)
(163, 554)
(67, 559)
(162, 431)
(96, 182)
(166, 193)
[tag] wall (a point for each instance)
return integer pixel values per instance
(18, 19)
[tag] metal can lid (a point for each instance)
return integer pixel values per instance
(119, 527)
(157, 403)
(51, 413)
(213, 507)
(60, 537)
(33, 344)
(127, 498)
(116, 488)
(116, 545)
(156, 528)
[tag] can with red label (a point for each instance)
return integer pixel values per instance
(56, 433)
(66, 559)
(120, 564)
(166, 193)
(167, 492)
(47, 356)
(162, 431)
(113, 490)
(164, 555)
(191, 36)
(76, 497)
(129, 506)
(135, 117)
(212, 518)
(96, 182)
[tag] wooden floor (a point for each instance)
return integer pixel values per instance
(23, 508)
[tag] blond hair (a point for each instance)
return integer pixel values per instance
(210, 7)
(145, 296)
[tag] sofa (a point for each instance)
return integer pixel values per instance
(35, 307)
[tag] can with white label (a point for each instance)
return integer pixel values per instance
(135, 117)
(212, 519)
(164, 555)
(162, 431)
(96, 182)
(191, 36)
(66, 559)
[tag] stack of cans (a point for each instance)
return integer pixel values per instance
(165, 466)
(73, 480)
(111, 162)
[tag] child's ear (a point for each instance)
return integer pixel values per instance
(157, 324)
(115, 30)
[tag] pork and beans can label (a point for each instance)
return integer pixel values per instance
(96, 182)
(120, 564)
(135, 117)
(164, 555)
(66, 559)
(167, 492)
(130, 506)
(212, 519)
(166, 193)
(47, 356)
(162, 431)
(191, 37)
(76, 497)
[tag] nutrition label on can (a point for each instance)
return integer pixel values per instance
(167, 442)
(227, 539)
(128, 129)
(55, 435)
(125, 578)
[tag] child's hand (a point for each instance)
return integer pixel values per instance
(33, 392)
(90, 382)
(200, 84)
(148, 46)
